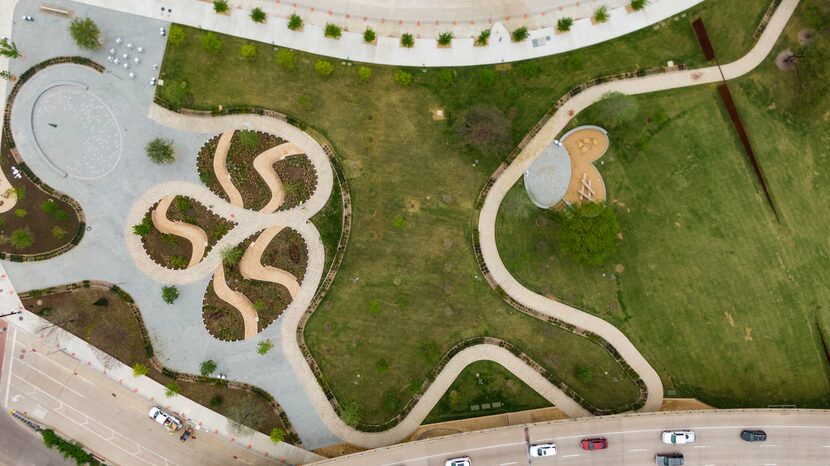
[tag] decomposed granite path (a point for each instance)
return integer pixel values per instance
(239, 301)
(251, 264)
(264, 165)
(220, 168)
(197, 237)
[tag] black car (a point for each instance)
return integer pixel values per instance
(754, 436)
(669, 459)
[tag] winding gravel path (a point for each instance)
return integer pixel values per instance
(251, 264)
(264, 165)
(197, 237)
(220, 168)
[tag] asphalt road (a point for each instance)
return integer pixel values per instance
(21, 446)
(54, 389)
(795, 437)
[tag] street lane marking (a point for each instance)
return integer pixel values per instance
(569, 456)
(700, 446)
(638, 449)
(11, 362)
(767, 446)
(63, 367)
(61, 384)
(507, 464)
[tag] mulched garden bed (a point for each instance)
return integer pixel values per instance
(106, 319)
(173, 251)
(240, 163)
(287, 251)
(52, 222)
(299, 179)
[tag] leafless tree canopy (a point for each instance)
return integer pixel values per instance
(245, 415)
(484, 128)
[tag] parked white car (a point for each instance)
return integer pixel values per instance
(678, 437)
(462, 461)
(542, 449)
(169, 421)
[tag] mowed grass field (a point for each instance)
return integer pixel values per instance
(722, 299)
(409, 287)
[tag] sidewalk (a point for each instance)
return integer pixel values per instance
(144, 387)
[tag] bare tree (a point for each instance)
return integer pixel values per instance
(109, 362)
(245, 415)
(58, 322)
(484, 128)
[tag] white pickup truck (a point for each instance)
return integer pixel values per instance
(169, 421)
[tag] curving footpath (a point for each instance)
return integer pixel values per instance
(251, 264)
(489, 211)
(264, 165)
(239, 301)
(293, 315)
(197, 236)
(220, 168)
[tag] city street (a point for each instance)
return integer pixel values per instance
(56, 390)
(794, 438)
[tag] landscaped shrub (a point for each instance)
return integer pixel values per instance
(143, 228)
(485, 129)
(564, 24)
(286, 59)
(483, 38)
(295, 23)
(277, 435)
(638, 5)
(601, 15)
(21, 213)
(85, 33)
(369, 35)
(582, 373)
(220, 6)
(101, 302)
(176, 35)
(445, 38)
(248, 138)
(177, 262)
(588, 232)
(58, 232)
(169, 294)
(8, 48)
(323, 67)
(160, 151)
(520, 34)
(407, 40)
(231, 255)
(403, 78)
(210, 42)
(139, 369)
(364, 73)
(247, 51)
(6, 75)
(258, 16)
(22, 238)
(381, 365)
(172, 389)
(333, 31)
(264, 346)
(215, 401)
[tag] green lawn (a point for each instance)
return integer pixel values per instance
(720, 297)
(481, 384)
(409, 287)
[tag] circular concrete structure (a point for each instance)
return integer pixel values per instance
(76, 131)
(546, 181)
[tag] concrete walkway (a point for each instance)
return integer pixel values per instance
(388, 51)
(197, 236)
(654, 83)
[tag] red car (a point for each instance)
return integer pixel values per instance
(594, 443)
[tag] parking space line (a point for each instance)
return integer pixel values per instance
(11, 363)
(63, 385)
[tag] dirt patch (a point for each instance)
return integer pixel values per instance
(52, 222)
(447, 199)
(221, 319)
(447, 244)
(438, 114)
(340, 449)
(619, 268)
(287, 251)
(447, 311)
(729, 319)
(805, 36)
(748, 334)
(784, 60)
(412, 205)
(683, 404)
